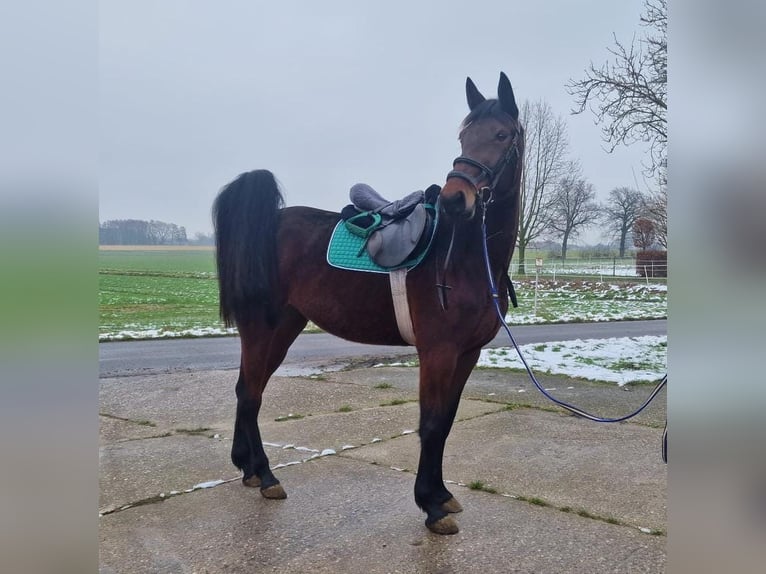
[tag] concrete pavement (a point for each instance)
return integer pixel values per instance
(551, 493)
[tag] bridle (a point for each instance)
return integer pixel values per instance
(487, 174)
(484, 195)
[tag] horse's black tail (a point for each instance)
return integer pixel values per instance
(245, 218)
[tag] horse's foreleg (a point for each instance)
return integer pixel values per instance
(441, 384)
(263, 350)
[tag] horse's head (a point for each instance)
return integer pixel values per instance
(492, 141)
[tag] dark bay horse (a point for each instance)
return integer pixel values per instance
(274, 277)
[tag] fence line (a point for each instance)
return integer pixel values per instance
(603, 268)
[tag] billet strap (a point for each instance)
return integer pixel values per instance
(398, 278)
(511, 291)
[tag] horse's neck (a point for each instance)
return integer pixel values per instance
(464, 240)
(502, 227)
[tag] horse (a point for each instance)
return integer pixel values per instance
(274, 277)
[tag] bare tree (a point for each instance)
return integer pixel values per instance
(573, 208)
(657, 212)
(161, 233)
(628, 95)
(643, 233)
(544, 163)
(624, 206)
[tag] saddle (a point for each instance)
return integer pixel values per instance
(393, 231)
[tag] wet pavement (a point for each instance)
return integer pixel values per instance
(543, 491)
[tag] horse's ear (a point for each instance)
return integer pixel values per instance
(472, 94)
(506, 97)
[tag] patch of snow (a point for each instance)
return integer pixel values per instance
(127, 335)
(618, 360)
(208, 484)
(284, 464)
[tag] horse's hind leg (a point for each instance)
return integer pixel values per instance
(441, 384)
(263, 350)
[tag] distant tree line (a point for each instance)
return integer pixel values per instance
(140, 232)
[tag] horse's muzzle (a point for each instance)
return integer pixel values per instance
(457, 201)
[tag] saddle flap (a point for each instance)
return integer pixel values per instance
(391, 244)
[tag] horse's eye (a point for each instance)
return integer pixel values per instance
(501, 136)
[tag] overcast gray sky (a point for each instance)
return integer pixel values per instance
(328, 94)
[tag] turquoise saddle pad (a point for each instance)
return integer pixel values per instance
(348, 251)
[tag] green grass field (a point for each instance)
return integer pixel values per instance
(570, 300)
(147, 293)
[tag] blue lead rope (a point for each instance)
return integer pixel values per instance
(571, 408)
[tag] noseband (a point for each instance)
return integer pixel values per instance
(490, 175)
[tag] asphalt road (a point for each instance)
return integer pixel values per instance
(131, 358)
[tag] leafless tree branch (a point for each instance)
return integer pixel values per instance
(628, 93)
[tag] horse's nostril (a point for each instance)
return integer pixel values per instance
(454, 204)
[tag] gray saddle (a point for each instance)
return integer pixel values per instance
(364, 198)
(397, 228)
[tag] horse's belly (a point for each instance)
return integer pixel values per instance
(355, 306)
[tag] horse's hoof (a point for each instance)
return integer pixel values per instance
(274, 492)
(446, 525)
(252, 481)
(452, 506)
